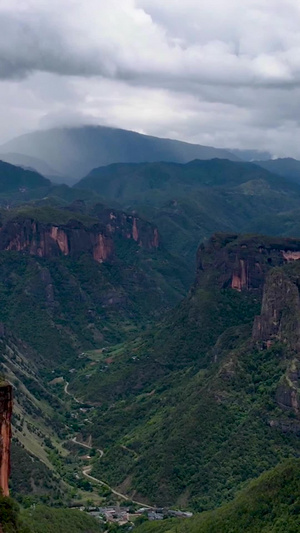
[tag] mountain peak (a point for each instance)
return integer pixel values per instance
(75, 151)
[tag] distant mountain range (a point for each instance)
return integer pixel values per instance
(68, 153)
(74, 152)
(251, 155)
(188, 202)
(286, 167)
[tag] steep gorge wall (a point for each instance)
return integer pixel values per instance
(242, 262)
(129, 227)
(279, 321)
(50, 240)
(280, 311)
(5, 435)
(74, 238)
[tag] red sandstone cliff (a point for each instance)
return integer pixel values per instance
(5, 438)
(128, 226)
(50, 240)
(74, 238)
(242, 262)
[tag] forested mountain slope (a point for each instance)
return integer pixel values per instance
(269, 504)
(73, 281)
(190, 202)
(192, 409)
(209, 398)
(69, 282)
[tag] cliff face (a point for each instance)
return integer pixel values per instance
(74, 238)
(242, 262)
(5, 435)
(280, 311)
(129, 227)
(269, 267)
(280, 321)
(49, 240)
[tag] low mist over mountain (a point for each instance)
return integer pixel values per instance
(251, 155)
(286, 167)
(30, 163)
(74, 152)
(14, 179)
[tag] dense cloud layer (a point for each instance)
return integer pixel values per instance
(237, 44)
(218, 72)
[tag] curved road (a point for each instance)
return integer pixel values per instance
(87, 469)
(69, 394)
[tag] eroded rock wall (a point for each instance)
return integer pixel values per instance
(5, 435)
(129, 226)
(74, 238)
(50, 240)
(243, 262)
(280, 311)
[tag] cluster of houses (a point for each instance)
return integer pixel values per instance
(122, 515)
(112, 514)
(161, 513)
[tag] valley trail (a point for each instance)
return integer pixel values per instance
(87, 469)
(69, 394)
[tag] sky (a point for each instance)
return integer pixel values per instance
(223, 73)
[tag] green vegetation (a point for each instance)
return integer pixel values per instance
(19, 186)
(14, 178)
(61, 306)
(31, 480)
(198, 438)
(286, 167)
(190, 202)
(193, 409)
(10, 517)
(187, 411)
(270, 504)
(42, 519)
(46, 215)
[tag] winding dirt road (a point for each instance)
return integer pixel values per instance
(69, 394)
(87, 469)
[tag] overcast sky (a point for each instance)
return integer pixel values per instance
(219, 72)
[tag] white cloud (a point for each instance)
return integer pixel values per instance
(230, 43)
(223, 72)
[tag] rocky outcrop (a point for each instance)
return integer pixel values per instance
(288, 395)
(279, 321)
(31, 235)
(280, 311)
(128, 226)
(50, 240)
(242, 262)
(5, 435)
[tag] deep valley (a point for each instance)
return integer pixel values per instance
(141, 380)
